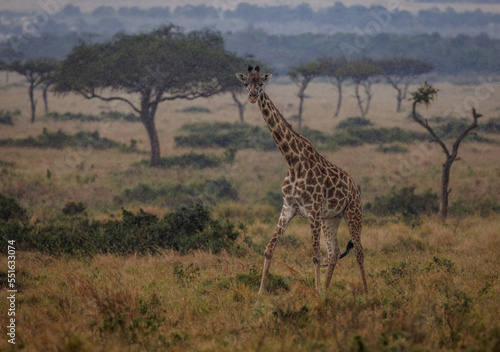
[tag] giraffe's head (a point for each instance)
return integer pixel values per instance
(254, 82)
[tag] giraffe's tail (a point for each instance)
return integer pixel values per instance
(350, 246)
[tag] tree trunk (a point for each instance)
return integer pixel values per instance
(339, 99)
(400, 98)
(33, 102)
(45, 101)
(368, 92)
(241, 106)
(149, 122)
(360, 103)
(301, 104)
(445, 192)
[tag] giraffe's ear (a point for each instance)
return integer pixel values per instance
(265, 78)
(241, 77)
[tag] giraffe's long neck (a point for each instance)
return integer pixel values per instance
(289, 141)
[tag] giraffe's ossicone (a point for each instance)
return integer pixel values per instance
(313, 188)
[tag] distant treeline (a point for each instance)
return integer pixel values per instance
(108, 20)
(459, 1)
(448, 55)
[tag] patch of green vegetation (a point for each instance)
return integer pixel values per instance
(6, 117)
(482, 206)
(404, 202)
(320, 140)
(104, 116)
(185, 230)
(275, 282)
(225, 135)
(355, 136)
(60, 140)
(170, 194)
(74, 208)
(353, 122)
(492, 126)
(196, 110)
(192, 159)
(10, 210)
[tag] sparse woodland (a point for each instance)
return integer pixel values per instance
(122, 249)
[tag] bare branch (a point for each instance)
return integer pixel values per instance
(429, 129)
(475, 117)
(92, 94)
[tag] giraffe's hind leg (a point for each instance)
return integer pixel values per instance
(329, 227)
(354, 223)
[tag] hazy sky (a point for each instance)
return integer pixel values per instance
(89, 5)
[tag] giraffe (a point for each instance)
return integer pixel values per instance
(313, 187)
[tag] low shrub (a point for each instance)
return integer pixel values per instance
(482, 207)
(492, 126)
(320, 140)
(353, 122)
(10, 210)
(60, 140)
(225, 135)
(170, 194)
(73, 208)
(104, 116)
(188, 229)
(404, 202)
(194, 160)
(196, 110)
(6, 117)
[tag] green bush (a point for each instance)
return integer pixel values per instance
(73, 208)
(320, 140)
(451, 128)
(482, 207)
(104, 116)
(492, 126)
(10, 210)
(195, 110)
(225, 135)
(194, 160)
(188, 229)
(60, 140)
(404, 202)
(353, 122)
(169, 194)
(6, 117)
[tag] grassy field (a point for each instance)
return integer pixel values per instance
(432, 285)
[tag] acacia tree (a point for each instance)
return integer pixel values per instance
(400, 72)
(7, 56)
(425, 94)
(155, 67)
(332, 68)
(302, 75)
(36, 71)
(362, 72)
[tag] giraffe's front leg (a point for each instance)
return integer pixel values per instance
(287, 214)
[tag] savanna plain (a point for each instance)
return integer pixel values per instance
(433, 285)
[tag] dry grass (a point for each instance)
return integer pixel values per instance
(433, 286)
(113, 303)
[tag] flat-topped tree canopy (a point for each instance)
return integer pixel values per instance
(161, 65)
